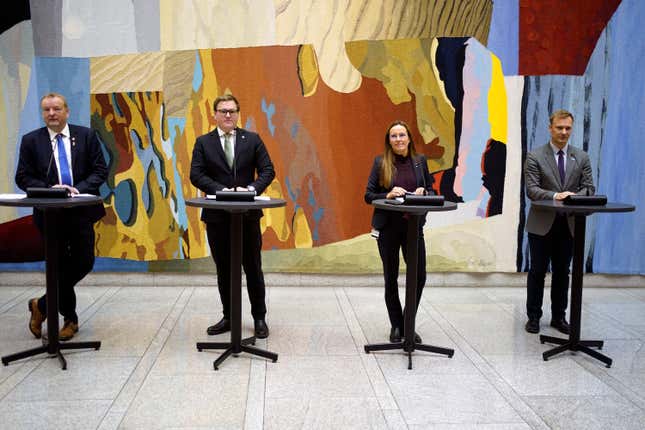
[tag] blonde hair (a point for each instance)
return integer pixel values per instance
(53, 95)
(561, 113)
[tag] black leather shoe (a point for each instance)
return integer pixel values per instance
(395, 335)
(532, 325)
(417, 338)
(261, 329)
(560, 325)
(222, 326)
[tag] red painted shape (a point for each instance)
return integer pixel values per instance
(557, 37)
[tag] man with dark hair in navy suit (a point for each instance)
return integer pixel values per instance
(233, 158)
(63, 155)
(553, 171)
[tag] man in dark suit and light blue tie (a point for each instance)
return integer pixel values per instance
(553, 171)
(63, 155)
(233, 158)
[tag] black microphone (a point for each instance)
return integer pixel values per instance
(51, 158)
(423, 176)
(234, 172)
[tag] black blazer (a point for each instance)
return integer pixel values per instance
(37, 168)
(209, 171)
(375, 191)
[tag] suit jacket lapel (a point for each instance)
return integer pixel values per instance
(73, 151)
(418, 172)
(240, 143)
(48, 152)
(550, 160)
(572, 164)
(217, 142)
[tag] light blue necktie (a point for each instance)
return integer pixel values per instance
(65, 176)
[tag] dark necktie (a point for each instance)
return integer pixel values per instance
(561, 165)
(65, 176)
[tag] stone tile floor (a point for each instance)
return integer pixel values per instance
(148, 373)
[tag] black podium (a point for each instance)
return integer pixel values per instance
(53, 209)
(408, 344)
(237, 344)
(579, 212)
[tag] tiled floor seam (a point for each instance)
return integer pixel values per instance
(21, 298)
(119, 408)
(387, 403)
(525, 412)
(607, 379)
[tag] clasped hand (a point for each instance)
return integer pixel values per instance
(400, 192)
(236, 189)
(69, 188)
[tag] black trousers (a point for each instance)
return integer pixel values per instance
(555, 247)
(76, 260)
(219, 240)
(392, 238)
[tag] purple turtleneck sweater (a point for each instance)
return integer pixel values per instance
(404, 176)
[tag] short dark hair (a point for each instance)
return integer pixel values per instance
(561, 113)
(225, 98)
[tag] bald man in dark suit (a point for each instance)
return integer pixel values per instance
(553, 171)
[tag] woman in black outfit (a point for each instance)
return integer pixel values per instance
(398, 171)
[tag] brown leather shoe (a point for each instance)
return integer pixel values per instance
(68, 331)
(37, 318)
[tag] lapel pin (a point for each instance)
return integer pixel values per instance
(73, 141)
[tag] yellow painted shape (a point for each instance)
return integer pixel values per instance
(276, 218)
(308, 70)
(405, 67)
(301, 230)
(497, 103)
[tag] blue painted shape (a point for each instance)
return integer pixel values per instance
(106, 264)
(503, 37)
(198, 73)
(293, 194)
(69, 77)
(620, 237)
(295, 127)
(476, 129)
(176, 126)
(32, 266)
(269, 110)
(250, 123)
(125, 201)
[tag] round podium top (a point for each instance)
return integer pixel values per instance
(559, 206)
(383, 204)
(46, 203)
(202, 202)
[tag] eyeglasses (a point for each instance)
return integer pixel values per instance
(227, 111)
(400, 136)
